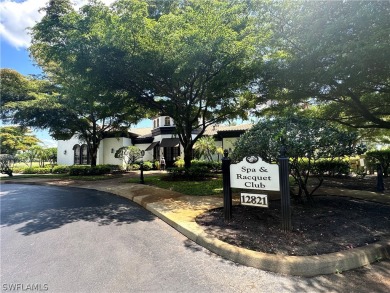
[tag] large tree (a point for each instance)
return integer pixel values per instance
(16, 138)
(337, 60)
(16, 88)
(71, 47)
(192, 63)
(306, 140)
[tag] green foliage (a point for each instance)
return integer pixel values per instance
(206, 147)
(192, 173)
(179, 162)
(210, 165)
(381, 157)
(16, 138)
(82, 170)
(36, 170)
(14, 88)
(115, 168)
(190, 60)
(337, 60)
(330, 167)
(307, 142)
(189, 187)
(129, 154)
(6, 164)
(60, 169)
(30, 155)
(156, 165)
(148, 165)
(46, 155)
(133, 167)
(71, 47)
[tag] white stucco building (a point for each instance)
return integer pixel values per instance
(156, 142)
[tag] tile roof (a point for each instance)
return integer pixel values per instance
(214, 129)
(143, 132)
(211, 130)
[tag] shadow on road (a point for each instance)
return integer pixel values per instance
(42, 208)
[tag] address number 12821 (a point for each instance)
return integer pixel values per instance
(250, 199)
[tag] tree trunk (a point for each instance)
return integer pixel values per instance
(187, 156)
(93, 152)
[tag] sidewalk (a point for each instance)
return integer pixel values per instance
(180, 211)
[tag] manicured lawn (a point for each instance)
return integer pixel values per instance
(212, 186)
(61, 176)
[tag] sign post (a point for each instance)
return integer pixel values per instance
(254, 173)
(285, 191)
(227, 191)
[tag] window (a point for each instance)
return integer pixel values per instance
(84, 154)
(167, 121)
(156, 153)
(76, 154)
(81, 155)
(154, 123)
(158, 122)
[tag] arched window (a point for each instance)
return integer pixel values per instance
(84, 154)
(167, 121)
(158, 122)
(76, 154)
(154, 123)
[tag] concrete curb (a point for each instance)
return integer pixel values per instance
(183, 220)
(307, 266)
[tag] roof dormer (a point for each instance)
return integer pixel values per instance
(163, 121)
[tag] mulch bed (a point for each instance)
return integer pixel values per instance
(331, 224)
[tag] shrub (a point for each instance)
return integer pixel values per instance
(83, 170)
(331, 167)
(156, 165)
(37, 170)
(18, 169)
(115, 168)
(148, 165)
(179, 163)
(133, 167)
(60, 169)
(306, 141)
(192, 173)
(210, 165)
(381, 157)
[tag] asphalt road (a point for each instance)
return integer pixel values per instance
(58, 239)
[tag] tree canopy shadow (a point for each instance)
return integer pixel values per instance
(43, 208)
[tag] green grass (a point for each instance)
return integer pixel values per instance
(60, 176)
(213, 186)
(23, 165)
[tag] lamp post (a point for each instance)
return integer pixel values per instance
(227, 191)
(142, 181)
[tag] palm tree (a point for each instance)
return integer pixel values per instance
(206, 147)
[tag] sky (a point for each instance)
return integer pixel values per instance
(16, 16)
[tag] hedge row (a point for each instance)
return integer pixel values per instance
(81, 170)
(36, 170)
(210, 165)
(76, 170)
(192, 173)
(331, 168)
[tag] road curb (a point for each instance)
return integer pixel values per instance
(307, 266)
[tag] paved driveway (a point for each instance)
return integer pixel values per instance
(59, 239)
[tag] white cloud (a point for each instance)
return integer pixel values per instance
(49, 143)
(16, 17)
